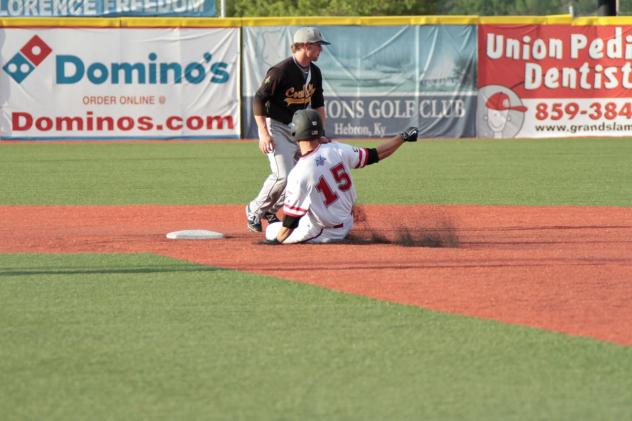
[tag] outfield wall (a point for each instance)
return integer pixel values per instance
(194, 78)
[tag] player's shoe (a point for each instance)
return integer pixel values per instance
(271, 217)
(254, 223)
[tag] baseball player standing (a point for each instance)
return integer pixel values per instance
(320, 193)
(293, 84)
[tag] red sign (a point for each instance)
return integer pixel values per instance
(556, 61)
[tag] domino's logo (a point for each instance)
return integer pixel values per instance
(27, 59)
(71, 69)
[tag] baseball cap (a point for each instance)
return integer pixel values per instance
(309, 34)
(500, 101)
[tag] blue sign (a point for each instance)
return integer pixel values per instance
(106, 8)
(378, 80)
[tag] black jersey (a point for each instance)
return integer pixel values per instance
(284, 91)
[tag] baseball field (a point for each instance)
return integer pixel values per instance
(486, 280)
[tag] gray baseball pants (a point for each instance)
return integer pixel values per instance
(282, 159)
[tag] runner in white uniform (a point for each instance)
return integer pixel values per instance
(320, 193)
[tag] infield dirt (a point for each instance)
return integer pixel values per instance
(564, 269)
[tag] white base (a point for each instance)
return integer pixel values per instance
(195, 235)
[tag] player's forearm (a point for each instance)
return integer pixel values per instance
(261, 123)
(387, 148)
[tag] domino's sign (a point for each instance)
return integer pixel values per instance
(71, 69)
(27, 59)
(180, 83)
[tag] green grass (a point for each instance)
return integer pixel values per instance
(129, 337)
(98, 337)
(512, 172)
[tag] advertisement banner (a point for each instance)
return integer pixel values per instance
(554, 81)
(106, 8)
(115, 83)
(380, 79)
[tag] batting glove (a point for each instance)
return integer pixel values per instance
(410, 134)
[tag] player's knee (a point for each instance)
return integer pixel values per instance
(272, 230)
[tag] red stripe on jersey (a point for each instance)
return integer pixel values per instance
(295, 208)
(294, 211)
(293, 214)
(363, 157)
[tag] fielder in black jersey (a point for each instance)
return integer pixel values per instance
(295, 83)
(286, 90)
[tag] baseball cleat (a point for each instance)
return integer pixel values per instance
(254, 223)
(271, 217)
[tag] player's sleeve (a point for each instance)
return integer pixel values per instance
(269, 85)
(297, 201)
(354, 157)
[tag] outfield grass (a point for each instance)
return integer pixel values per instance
(512, 172)
(97, 337)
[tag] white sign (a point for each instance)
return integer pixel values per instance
(119, 83)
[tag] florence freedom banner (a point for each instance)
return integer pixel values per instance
(554, 80)
(119, 83)
(109, 8)
(380, 79)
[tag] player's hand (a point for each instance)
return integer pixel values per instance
(266, 143)
(410, 134)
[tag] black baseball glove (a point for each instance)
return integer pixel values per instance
(410, 134)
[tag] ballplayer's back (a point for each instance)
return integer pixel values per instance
(321, 183)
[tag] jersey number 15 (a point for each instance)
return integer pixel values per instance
(343, 182)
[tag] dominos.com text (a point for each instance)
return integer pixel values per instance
(24, 121)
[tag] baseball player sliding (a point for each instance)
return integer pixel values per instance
(320, 193)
